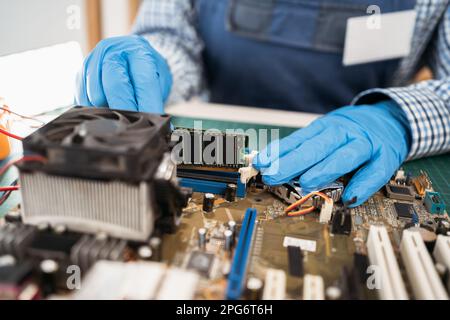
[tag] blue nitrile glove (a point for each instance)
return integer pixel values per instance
(124, 73)
(374, 139)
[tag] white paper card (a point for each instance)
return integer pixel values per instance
(379, 37)
(306, 245)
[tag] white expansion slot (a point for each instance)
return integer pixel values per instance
(441, 251)
(274, 285)
(382, 256)
(313, 288)
(422, 274)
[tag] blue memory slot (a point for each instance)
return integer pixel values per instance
(211, 185)
(237, 274)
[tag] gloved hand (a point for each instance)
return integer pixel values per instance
(124, 73)
(374, 139)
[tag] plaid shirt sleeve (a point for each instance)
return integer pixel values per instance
(169, 25)
(426, 104)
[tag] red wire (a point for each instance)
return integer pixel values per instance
(10, 188)
(9, 134)
(23, 159)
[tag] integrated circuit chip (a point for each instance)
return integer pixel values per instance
(201, 262)
(404, 210)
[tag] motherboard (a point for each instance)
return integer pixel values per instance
(208, 234)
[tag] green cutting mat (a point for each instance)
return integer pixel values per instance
(438, 169)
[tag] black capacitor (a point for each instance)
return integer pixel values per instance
(254, 288)
(208, 202)
(230, 193)
(49, 273)
(443, 227)
(13, 217)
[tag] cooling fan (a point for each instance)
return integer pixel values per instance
(102, 143)
(100, 128)
(106, 171)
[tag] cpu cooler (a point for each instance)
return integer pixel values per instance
(106, 171)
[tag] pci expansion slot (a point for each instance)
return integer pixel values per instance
(236, 277)
(381, 255)
(419, 266)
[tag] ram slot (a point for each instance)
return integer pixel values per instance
(236, 277)
(382, 255)
(422, 274)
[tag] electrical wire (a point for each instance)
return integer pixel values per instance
(5, 197)
(10, 188)
(6, 194)
(301, 212)
(11, 135)
(304, 211)
(13, 162)
(6, 109)
(14, 187)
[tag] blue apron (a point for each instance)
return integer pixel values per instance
(286, 54)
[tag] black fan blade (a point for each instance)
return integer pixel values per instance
(141, 123)
(58, 134)
(122, 118)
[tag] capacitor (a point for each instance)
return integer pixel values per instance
(49, 271)
(230, 193)
(13, 217)
(43, 226)
(7, 260)
(155, 245)
(202, 238)
(232, 228)
(228, 240)
(60, 229)
(145, 253)
(443, 227)
(208, 202)
(101, 236)
(254, 288)
(333, 293)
